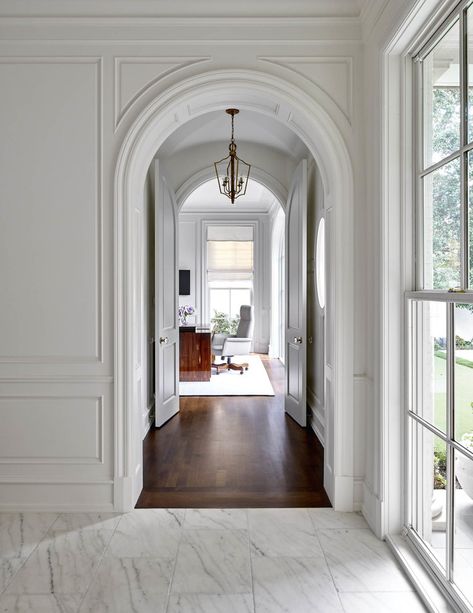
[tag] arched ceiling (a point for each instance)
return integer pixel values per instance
(262, 141)
(207, 198)
(250, 127)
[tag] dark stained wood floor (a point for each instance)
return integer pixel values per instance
(227, 452)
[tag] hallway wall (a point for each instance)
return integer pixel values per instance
(74, 79)
(191, 246)
(315, 314)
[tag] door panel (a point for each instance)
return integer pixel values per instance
(296, 296)
(166, 301)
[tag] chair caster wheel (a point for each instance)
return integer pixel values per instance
(241, 372)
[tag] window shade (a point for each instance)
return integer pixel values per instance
(230, 256)
(230, 233)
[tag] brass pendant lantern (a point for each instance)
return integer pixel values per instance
(232, 172)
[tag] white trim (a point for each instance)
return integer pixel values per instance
(214, 91)
(317, 417)
(426, 587)
(385, 508)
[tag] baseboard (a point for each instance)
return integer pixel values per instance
(148, 418)
(56, 496)
(316, 416)
(371, 509)
(358, 493)
(260, 346)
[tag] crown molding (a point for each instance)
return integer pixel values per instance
(370, 15)
(185, 29)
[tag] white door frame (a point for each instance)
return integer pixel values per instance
(305, 115)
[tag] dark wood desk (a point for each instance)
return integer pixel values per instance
(194, 353)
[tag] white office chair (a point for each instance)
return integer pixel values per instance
(226, 346)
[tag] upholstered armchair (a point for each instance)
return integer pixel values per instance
(226, 346)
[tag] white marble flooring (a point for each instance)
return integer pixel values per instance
(205, 561)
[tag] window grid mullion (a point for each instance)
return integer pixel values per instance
(419, 161)
(463, 143)
(450, 430)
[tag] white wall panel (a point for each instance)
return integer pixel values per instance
(50, 209)
(134, 75)
(57, 123)
(333, 75)
(51, 429)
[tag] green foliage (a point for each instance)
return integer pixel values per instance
(440, 469)
(467, 307)
(462, 361)
(446, 189)
(461, 343)
(223, 323)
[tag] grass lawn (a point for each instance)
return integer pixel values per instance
(463, 398)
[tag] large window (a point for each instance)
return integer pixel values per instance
(440, 311)
(230, 269)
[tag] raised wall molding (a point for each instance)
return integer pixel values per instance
(97, 62)
(332, 75)
(134, 75)
(267, 109)
(54, 406)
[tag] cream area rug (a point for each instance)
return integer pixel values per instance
(253, 382)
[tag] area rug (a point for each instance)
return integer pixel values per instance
(253, 382)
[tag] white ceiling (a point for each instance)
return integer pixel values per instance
(208, 199)
(250, 127)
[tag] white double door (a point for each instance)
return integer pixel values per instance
(166, 298)
(296, 297)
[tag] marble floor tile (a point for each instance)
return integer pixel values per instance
(298, 585)
(152, 533)
(70, 522)
(211, 603)
(8, 567)
(222, 519)
(40, 603)
(381, 602)
(282, 532)
(328, 519)
(213, 562)
(21, 532)
(360, 562)
(123, 585)
(61, 564)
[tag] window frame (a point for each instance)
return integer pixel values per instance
(458, 13)
(449, 296)
(255, 225)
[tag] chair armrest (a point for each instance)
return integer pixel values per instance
(236, 346)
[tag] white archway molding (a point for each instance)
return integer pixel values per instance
(275, 97)
(206, 174)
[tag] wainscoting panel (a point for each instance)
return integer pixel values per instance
(77, 435)
(51, 210)
(56, 434)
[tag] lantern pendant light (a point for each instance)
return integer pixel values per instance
(232, 172)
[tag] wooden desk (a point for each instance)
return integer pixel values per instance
(194, 354)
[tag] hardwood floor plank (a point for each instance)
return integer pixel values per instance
(235, 451)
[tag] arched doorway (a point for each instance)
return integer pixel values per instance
(306, 117)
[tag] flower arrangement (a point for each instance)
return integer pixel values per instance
(183, 313)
